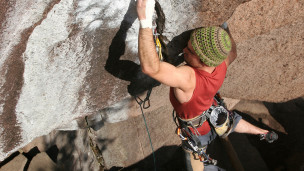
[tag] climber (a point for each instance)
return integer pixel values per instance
(193, 86)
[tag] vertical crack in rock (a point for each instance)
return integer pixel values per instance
(12, 87)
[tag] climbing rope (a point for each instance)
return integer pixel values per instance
(145, 104)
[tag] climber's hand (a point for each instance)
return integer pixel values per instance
(269, 136)
(141, 9)
(145, 10)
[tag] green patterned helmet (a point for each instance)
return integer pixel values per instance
(211, 44)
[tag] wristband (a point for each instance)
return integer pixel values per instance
(145, 23)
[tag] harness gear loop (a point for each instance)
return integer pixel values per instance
(192, 139)
(180, 135)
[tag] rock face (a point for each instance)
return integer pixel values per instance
(64, 59)
(270, 54)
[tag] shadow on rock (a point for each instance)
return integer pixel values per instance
(167, 158)
(175, 47)
(126, 69)
(287, 153)
(76, 150)
(172, 158)
(291, 116)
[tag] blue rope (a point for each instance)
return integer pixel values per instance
(149, 138)
(140, 102)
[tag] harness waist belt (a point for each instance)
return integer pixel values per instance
(196, 121)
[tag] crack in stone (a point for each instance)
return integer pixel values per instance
(12, 87)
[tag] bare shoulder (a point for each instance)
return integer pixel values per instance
(188, 80)
(180, 77)
(187, 72)
(186, 69)
(184, 94)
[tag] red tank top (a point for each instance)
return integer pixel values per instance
(206, 87)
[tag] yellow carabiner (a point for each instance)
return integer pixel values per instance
(158, 45)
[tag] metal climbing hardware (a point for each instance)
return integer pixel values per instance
(146, 102)
(180, 135)
(191, 139)
(157, 42)
(219, 100)
(217, 115)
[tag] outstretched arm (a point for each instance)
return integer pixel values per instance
(148, 57)
(233, 54)
(149, 61)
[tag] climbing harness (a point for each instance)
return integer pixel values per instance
(191, 139)
(196, 147)
(145, 104)
(217, 115)
(222, 121)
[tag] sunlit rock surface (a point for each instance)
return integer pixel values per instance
(62, 60)
(270, 51)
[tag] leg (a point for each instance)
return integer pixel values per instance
(242, 126)
(193, 163)
(245, 127)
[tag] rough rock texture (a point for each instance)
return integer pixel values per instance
(73, 151)
(18, 163)
(64, 59)
(270, 40)
(260, 112)
(208, 13)
(42, 162)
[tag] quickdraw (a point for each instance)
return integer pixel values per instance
(157, 43)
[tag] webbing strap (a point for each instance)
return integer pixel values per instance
(195, 122)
